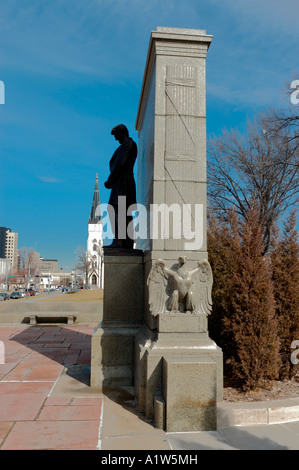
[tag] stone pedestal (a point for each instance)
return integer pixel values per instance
(112, 341)
(189, 388)
(182, 367)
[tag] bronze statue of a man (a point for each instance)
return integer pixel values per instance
(123, 188)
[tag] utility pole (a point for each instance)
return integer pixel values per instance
(6, 273)
(28, 276)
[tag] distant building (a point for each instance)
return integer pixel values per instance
(95, 274)
(11, 248)
(3, 241)
(4, 270)
(40, 272)
(48, 265)
(71, 280)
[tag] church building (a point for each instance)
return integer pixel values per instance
(94, 254)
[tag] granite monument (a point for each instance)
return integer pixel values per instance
(156, 338)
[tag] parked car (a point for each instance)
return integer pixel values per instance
(30, 291)
(16, 295)
(4, 295)
(1, 298)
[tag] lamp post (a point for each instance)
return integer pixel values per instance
(28, 276)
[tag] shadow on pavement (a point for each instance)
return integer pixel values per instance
(233, 438)
(69, 347)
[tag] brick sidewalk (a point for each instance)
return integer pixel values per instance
(46, 403)
(35, 411)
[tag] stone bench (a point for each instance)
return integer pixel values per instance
(70, 317)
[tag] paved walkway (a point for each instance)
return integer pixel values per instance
(46, 403)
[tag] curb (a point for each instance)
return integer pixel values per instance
(257, 413)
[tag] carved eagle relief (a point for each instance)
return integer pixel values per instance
(180, 290)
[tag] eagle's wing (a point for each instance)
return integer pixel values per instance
(202, 278)
(157, 282)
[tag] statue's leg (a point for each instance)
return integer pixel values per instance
(121, 227)
(113, 216)
(189, 301)
(173, 303)
(129, 241)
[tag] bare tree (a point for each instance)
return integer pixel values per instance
(28, 257)
(33, 263)
(261, 166)
(28, 264)
(23, 253)
(84, 262)
(3, 280)
(287, 118)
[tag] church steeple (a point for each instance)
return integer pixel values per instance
(94, 252)
(95, 215)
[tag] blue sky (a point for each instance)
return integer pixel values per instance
(73, 69)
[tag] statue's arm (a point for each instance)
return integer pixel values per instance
(200, 265)
(128, 153)
(168, 272)
(194, 271)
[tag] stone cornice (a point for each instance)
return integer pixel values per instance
(179, 42)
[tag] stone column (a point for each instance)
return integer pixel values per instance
(171, 124)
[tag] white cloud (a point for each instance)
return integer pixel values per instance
(274, 15)
(98, 37)
(49, 179)
(252, 54)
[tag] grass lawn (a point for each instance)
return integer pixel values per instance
(84, 295)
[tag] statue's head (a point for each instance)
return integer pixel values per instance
(120, 131)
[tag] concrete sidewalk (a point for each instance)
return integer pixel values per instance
(123, 429)
(46, 403)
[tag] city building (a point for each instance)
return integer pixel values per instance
(2, 241)
(94, 254)
(48, 265)
(70, 280)
(25, 267)
(11, 248)
(4, 270)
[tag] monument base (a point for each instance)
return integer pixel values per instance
(112, 356)
(112, 342)
(178, 375)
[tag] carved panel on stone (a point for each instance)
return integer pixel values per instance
(180, 90)
(180, 290)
